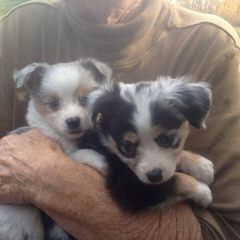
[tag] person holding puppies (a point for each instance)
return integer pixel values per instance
(141, 40)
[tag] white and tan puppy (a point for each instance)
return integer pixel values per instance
(58, 107)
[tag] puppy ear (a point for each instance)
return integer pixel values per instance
(193, 100)
(101, 72)
(30, 76)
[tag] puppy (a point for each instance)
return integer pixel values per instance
(58, 107)
(141, 130)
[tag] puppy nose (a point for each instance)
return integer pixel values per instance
(155, 175)
(73, 123)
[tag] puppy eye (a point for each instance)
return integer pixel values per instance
(165, 140)
(54, 103)
(83, 100)
(129, 148)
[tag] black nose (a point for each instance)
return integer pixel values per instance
(155, 175)
(73, 123)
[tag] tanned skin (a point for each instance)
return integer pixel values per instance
(34, 170)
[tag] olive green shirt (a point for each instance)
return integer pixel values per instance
(163, 39)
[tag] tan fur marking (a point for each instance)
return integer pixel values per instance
(156, 131)
(190, 158)
(42, 108)
(185, 187)
(185, 184)
(183, 132)
(112, 143)
(131, 137)
(84, 90)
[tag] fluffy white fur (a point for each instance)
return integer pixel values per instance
(61, 80)
(19, 221)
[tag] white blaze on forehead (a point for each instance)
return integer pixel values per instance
(142, 117)
(65, 79)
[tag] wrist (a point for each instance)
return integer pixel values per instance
(49, 173)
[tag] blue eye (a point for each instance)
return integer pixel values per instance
(54, 103)
(165, 140)
(83, 100)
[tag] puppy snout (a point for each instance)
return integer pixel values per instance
(73, 123)
(155, 175)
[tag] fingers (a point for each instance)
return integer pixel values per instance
(22, 158)
(31, 139)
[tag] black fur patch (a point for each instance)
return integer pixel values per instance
(32, 80)
(165, 115)
(116, 113)
(195, 103)
(35, 78)
(132, 194)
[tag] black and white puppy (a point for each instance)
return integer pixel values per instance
(58, 107)
(141, 130)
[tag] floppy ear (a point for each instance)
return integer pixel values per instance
(193, 100)
(30, 76)
(101, 71)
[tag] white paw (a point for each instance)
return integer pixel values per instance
(202, 196)
(202, 170)
(91, 158)
(20, 222)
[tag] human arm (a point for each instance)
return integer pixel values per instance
(75, 196)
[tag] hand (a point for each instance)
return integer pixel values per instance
(33, 169)
(24, 160)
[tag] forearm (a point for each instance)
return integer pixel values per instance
(84, 208)
(34, 169)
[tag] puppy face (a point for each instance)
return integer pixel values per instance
(146, 124)
(59, 94)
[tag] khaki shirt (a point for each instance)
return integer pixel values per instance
(162, 40)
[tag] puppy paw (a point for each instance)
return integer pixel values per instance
(202, 196)
(200, 168)
(91, 158)
(20, 223)
(205, 172)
